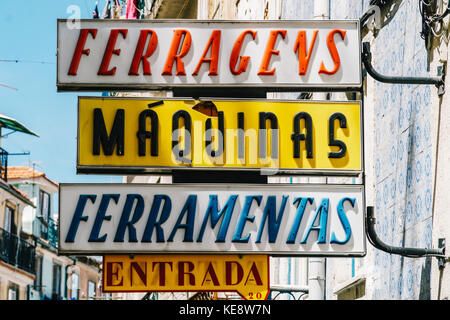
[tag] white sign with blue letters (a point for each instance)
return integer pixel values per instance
(276, 219)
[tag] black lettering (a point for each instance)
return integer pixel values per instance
(208, 137)
(307, 136)
(332, 141)
(143, 134)
(180, 154)
(263, 116)
(115, 138)
(241, 136)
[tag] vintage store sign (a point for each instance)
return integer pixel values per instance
(162, 54)
(188, 218)
(121, 135)
(246, 274)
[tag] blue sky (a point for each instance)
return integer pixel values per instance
(28, 34)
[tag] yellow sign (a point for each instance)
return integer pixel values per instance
(246, 274)
(119, 134)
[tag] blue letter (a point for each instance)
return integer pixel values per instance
(124, 223)
(190, 207)
(344, 221)
(298, 218)
(101, 215)
(244, 217)
(152, 223)
(78, 215)
(213, 212)
(322, 228)
(270, 212)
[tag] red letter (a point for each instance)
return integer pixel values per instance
(181, 273)
(229, 271)
(269, 51)
(214, 43)
(173, 52)
(235, 54)
(109, 51)
(110, 274)
(141, 273)
(79, 50)
(333, 51)
(212, 274)
(256, 277)
(303, 55)
(162, 271)
(138, 57)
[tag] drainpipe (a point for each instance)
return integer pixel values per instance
(316, 266)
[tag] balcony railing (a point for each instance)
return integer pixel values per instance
(52, 232)
(47, 229)
(17, 252)
(3, 164)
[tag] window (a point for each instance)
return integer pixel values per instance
(74, 290)
(56, 285)
(9, 223)
(13, 291)
(44, 204)
(91, 290)
(38, 280)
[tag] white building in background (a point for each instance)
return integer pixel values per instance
(406, 130)
(55, 276)
(17, 252)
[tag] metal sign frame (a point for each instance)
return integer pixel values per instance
(242, 290)
(284, 251)
(256, 87)
(141, 170)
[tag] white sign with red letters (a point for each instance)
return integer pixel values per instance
(163, 54)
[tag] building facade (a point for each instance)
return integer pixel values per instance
(406, 129)
(56, 277)
(16, 252)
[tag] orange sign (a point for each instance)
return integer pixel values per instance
(246, 274)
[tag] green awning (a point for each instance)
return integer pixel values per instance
(13, 124)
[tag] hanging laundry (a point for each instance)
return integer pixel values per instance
(106, 14)
(95, 12)
(140, 9)
(116, 10)
(131, 12)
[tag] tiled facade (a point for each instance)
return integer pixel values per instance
(400, 150)
(403, 182)
(401, 154)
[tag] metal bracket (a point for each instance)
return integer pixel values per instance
(403, 251)
(318, 278)
(438, 81)
(288, 289)
(441, 260)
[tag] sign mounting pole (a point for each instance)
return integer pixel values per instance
(317, 265)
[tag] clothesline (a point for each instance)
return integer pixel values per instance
(135, 9)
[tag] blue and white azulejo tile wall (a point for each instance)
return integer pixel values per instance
(402, 154)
